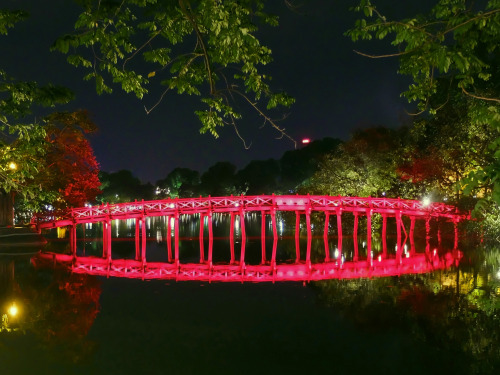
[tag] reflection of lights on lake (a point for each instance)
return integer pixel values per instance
(237, 224)
(336, 253)
(380, 258)
(281, 225)
(159, 237)
(364, 244)
(435, 252)
(172, 226)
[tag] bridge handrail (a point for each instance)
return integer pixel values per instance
(251, 203)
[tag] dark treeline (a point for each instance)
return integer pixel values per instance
(283, 176)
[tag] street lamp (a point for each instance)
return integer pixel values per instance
(12, 166)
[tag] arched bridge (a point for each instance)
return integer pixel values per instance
(267, 205)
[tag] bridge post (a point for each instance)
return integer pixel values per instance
(231, 237)
(297, 236)
(169, 239)
(384, 236)
(427, 234)
(176, 236)
(243, 238)
(202, 228)
(339, 230)
(369, 257)
(263, 236)
(398, 233)
(210, 237)
(143, 240)
(72, 236)
(355, 231)
(412, 232)
(137, 240)
(107, 239)
(325, 236)
(275, 236)
(309, 235)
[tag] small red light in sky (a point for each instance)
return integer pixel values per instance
(306, 140)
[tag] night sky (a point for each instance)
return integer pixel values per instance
(336, 90)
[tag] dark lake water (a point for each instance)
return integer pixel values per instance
(441, 322)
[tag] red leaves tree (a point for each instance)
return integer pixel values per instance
(72, 169)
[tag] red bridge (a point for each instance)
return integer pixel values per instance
(268, 270)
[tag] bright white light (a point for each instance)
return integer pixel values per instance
(171, 205)
(336, 253)
(426, 201)
(498, 274)
(12, 166)
(13, 310)
(306, 141)
(380, 258)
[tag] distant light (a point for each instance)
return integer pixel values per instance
(13, 310)
(12, 166)
(426, 201)
(306, 140)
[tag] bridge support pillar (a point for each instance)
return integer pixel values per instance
(275, 236)
(169, 239)
(369, 255)
(399, 249)
(428, 234)
(412, 233)
(263, 236)
(202, 229)
(339, 232)
(72, 236)
(325, 236)
(231, 237)
(143, 240)
(384, 236)
(297, 236)
(210, 238)
(106, 240)
(176, 235)
(243, 238)
(309, 235)
(137, 239)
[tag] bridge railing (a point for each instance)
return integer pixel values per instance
(242, 203)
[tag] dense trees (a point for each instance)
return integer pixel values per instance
(452, 55)
(41, 161)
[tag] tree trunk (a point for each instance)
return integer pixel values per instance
(6, 208)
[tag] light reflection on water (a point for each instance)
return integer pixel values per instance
(413, 324)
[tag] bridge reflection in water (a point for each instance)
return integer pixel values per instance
(303, 268)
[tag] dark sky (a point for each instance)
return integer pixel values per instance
(336, 90)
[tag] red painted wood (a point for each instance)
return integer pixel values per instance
(263, 236)
(169, 238)
(202, 229)
(173, 208)
(231, 237)
(325, 236)
(297, 236)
